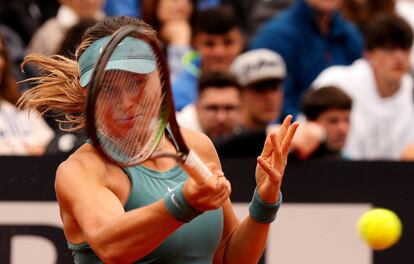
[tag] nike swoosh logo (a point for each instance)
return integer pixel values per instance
(102, 47)
(169, 189)
(174, 201)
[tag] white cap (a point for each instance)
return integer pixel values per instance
(258, 65)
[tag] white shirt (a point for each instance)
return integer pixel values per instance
(20, 129)
(380, 127)
(50, 35)
(188, 118)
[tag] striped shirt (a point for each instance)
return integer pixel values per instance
(21, 129)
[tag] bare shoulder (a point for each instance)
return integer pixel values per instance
(197, 140)
(201, 144)
(85, 165)
(194, 138)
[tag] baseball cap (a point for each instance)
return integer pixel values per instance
(258, 65)
(132, 55)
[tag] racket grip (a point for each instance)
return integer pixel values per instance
(196, 168)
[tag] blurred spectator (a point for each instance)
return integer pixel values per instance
(66, 142)
(217, 109)
(382, 116)
(133, 7)
(217, 40)
(253, 13)
(21, 132)
(407, 154)
(405, 8)
(73, 37)
(26, 16)
(172, 20)
(260, 73)
(330, 108)
(48, 38)
(16, 54)
(123, 8)
(362, 11)
(310, 35)
(205, 4)
(9, 89)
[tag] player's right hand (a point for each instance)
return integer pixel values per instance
(211, 194)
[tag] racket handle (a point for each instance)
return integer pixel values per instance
(196, 168)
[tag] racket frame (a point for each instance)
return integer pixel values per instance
(93, 93)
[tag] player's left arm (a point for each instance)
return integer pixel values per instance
(244, 242)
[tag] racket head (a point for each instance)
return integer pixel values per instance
(129, 96)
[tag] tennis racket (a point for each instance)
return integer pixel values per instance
(130, 103)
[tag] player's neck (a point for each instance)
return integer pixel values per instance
(162, 164)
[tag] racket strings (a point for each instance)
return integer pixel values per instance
(134, 114)
(150, 123)
(131, 109)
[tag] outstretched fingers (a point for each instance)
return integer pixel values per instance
(287, 140)
(277, 144)
(268, 146)
(269, 169)
(284, 128)
(277, 159)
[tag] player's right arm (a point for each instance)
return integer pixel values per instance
(114, 235)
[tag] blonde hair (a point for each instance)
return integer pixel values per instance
(58, 90)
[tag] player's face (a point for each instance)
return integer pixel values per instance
(171, 10)
(389, 64)
(262, 106)
(218, 110)
(325, 6)
(336, 124)
(218, 51)
(125, 100)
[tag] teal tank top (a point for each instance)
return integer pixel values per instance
(195, 242)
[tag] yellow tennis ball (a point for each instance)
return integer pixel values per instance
(380, 228)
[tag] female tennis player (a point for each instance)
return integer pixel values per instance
(153, 212)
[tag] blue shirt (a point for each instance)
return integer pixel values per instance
(184, 87)
(205, 4)
(123, 8)
(295, 35)
(132, 7)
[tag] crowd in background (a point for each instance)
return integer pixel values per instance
(342, 68)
